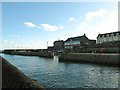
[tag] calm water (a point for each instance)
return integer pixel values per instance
(51, 73)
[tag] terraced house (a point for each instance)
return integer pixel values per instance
(108, 37)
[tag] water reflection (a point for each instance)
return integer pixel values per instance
(56, 58)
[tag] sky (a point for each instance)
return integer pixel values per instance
(32, 24)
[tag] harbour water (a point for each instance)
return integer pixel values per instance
(51, 73)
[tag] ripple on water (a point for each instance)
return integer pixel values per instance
(51, 73)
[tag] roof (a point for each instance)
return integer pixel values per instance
(92, 40)
(75, 38)
(58, 41)
(114, 33)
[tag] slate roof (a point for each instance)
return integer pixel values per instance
(105, 34)
(75, 38)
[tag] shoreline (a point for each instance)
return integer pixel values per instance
(93, 58)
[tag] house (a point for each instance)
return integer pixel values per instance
(50, 48)
(58, 45)
(108, 37)
(79, 41)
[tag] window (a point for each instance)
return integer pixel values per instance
(68, 43)
(115, 38)
(110, 38)
(104, 39)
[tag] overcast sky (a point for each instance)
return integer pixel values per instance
(33, 24)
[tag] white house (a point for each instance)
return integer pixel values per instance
(108, 37)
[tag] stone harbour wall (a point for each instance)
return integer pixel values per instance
(40, 54)
(109, 59)
(14, 78)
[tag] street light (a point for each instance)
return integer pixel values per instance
(47, 44)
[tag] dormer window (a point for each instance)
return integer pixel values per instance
(103, 36)
(107, 35)
(99, 36)
(117, 34)
(112, 34)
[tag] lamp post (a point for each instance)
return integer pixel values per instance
(47, 44)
